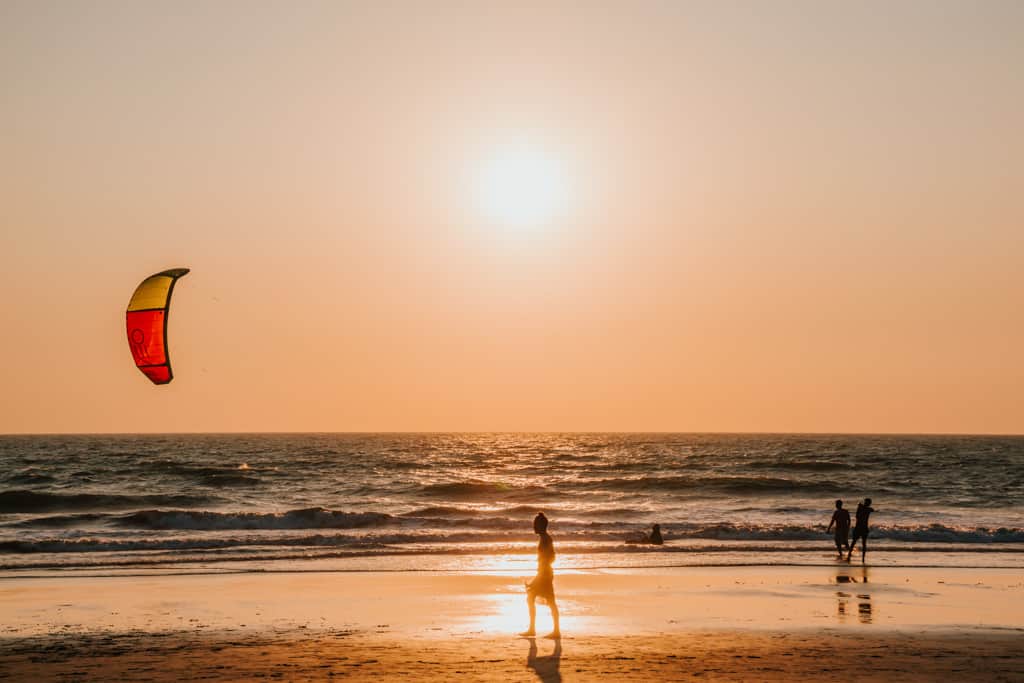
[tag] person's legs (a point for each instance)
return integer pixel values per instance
(556, 632)
(863, 536)
(531, 604)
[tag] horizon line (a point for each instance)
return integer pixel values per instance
(548, 432)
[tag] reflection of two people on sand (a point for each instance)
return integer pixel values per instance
(864, 613)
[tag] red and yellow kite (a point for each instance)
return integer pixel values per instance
(146, 321)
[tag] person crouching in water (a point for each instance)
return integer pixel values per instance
(543, 585)
(841, 521)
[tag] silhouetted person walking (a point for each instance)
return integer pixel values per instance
(841, 521)
(543, 584)
(860, 529)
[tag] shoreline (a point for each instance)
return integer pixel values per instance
(483, 560)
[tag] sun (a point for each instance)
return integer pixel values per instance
(521, 186)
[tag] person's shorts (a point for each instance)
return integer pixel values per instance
(859, 533)
(542, 586)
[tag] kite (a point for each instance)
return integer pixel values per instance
(146, 320)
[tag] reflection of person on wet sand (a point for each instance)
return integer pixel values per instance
(841, 521)
(545, 667)
(864, 610)
(543, 585)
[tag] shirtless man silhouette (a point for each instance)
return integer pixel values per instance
(841, 521)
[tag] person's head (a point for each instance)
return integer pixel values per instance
(867, 501)
(839, 505)
(540, 523)
(657, 527)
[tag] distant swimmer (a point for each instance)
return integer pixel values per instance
(654, 538)
(860, 529)
(841, 521)
(543, 584)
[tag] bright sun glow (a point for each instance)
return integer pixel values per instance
(521, 187)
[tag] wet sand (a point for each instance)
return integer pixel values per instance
(739, 656)
(737, 623)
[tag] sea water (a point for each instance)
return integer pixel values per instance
(466, 501)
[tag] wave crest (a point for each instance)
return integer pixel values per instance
(43, 501)
(483, 490)
(204, 520)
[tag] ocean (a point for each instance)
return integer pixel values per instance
(294, 502)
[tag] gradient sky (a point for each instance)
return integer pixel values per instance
(774, 216)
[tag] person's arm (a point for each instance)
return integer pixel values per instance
(833, 521)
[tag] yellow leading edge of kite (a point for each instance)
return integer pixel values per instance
(151, 293)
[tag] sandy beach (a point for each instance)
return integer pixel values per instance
(735, 623)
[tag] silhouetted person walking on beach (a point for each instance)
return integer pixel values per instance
(841, 521)
(860, 529)
(543, 585)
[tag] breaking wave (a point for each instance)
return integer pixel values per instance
(309, 518)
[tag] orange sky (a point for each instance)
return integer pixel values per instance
(779, 217)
